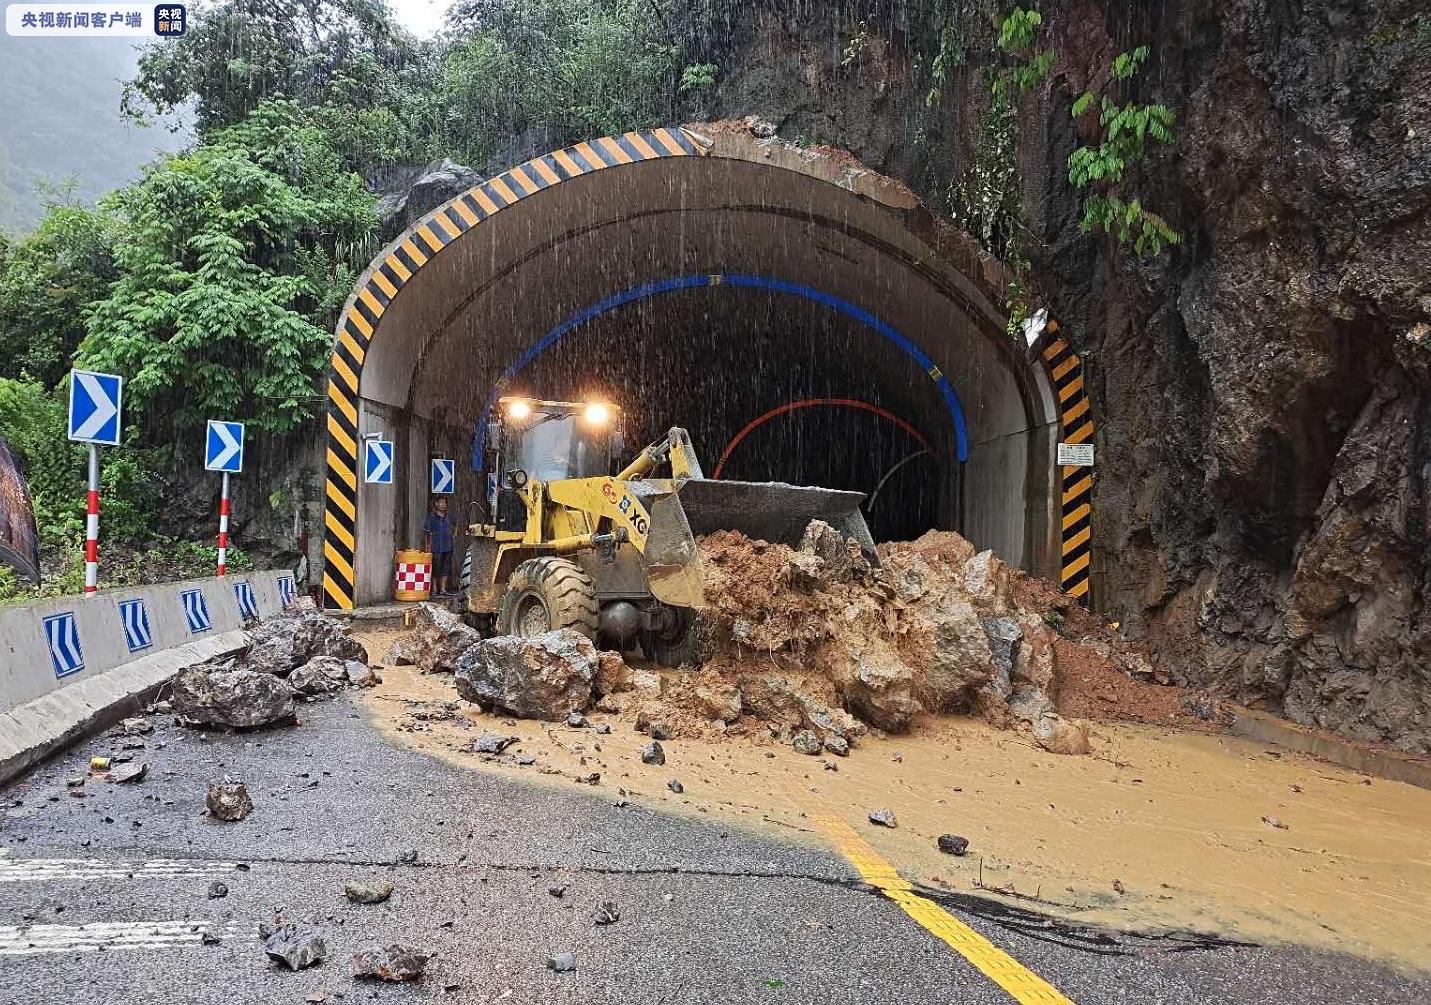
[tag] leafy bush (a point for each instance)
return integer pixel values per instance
(233, 252)
(1126, 130)
(47, 283)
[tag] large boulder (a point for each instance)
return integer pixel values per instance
(990, 583)
(272, 648)
(317, 634)
(405, 651)
(542, 677)
(280, 645)
(785, 709)
(961, 662)
(440, 638)
(613, 675)
(881, 692)
(235, 699)
(311, 678)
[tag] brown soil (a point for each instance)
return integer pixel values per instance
(1159, 829)
(1088, 686)
(773, 609)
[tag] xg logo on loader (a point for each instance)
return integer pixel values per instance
(627, 505)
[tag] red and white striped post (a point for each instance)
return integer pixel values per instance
(91, 525)
(224, 525)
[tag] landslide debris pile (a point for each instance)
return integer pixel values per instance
(815, 646)
(300, 654)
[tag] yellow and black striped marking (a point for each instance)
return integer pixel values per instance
(386, 278)
(1065, 371)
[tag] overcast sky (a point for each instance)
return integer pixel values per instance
(421, 17)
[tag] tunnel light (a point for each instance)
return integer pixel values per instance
(519, 411)
(598, 414)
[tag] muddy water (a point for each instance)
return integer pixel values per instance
(1157, 830)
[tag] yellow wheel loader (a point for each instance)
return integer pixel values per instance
(568, 544)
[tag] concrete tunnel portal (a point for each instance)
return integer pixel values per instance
(806, 319)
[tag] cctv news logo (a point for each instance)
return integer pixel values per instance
(95, 20)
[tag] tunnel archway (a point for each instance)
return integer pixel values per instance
(471, 293)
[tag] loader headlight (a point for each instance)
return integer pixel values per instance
(598, 414)
(519, 411)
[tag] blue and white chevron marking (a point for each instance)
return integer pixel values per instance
(135, 618)
(196, 611)
(62, 634)
(247, 602)
(286, 590)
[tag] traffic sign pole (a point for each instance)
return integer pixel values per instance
(223, 452)
(224, 526)
(91, 525)
(95, 419)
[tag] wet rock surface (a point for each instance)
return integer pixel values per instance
(297, 945)
(543, 677)
(286, 642)
(1262, 399)
(438, 640)
(228, 799)
(235, 699)
(390, 963)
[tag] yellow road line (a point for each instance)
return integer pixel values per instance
(1022, 984)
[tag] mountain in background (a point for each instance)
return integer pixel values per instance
(62, 125)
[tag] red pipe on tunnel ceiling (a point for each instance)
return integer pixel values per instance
(791, 406)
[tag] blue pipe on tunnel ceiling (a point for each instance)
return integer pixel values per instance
(646, 290)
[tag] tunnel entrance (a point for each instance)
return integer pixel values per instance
(804, 318)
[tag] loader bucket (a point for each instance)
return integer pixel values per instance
(673, 567)
(772, 511)
(767, 511)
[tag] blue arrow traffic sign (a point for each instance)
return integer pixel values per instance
(444, 476)
(94, 407)
(378, 462)
(223, 447)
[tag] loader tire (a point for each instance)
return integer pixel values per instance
(546, 594)
(681, 646)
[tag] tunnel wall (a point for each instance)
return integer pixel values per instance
(1010, 496)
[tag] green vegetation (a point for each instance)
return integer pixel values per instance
(47, 281)
(242, 249)
(1126, 131)
(243, 245)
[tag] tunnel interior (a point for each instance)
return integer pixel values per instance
(707, 291)
(714, 359)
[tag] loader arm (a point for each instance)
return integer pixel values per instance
(674, 448)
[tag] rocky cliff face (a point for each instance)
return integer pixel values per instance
(1264, 391)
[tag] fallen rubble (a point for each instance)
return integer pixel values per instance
(390, 963)
(233, 699)
(815, 646)
(299, 654)
(228, 800)
(297, 945)
(546, 676)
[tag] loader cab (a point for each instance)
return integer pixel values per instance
(548, 441)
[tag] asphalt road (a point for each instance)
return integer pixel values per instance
(104, 899)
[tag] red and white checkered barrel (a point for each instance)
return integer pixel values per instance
(413, 575)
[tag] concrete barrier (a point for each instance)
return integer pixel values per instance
(75, 664)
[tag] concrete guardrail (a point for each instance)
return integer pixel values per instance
(72, 665)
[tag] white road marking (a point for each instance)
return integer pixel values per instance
(34, 870)
(105, 936)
